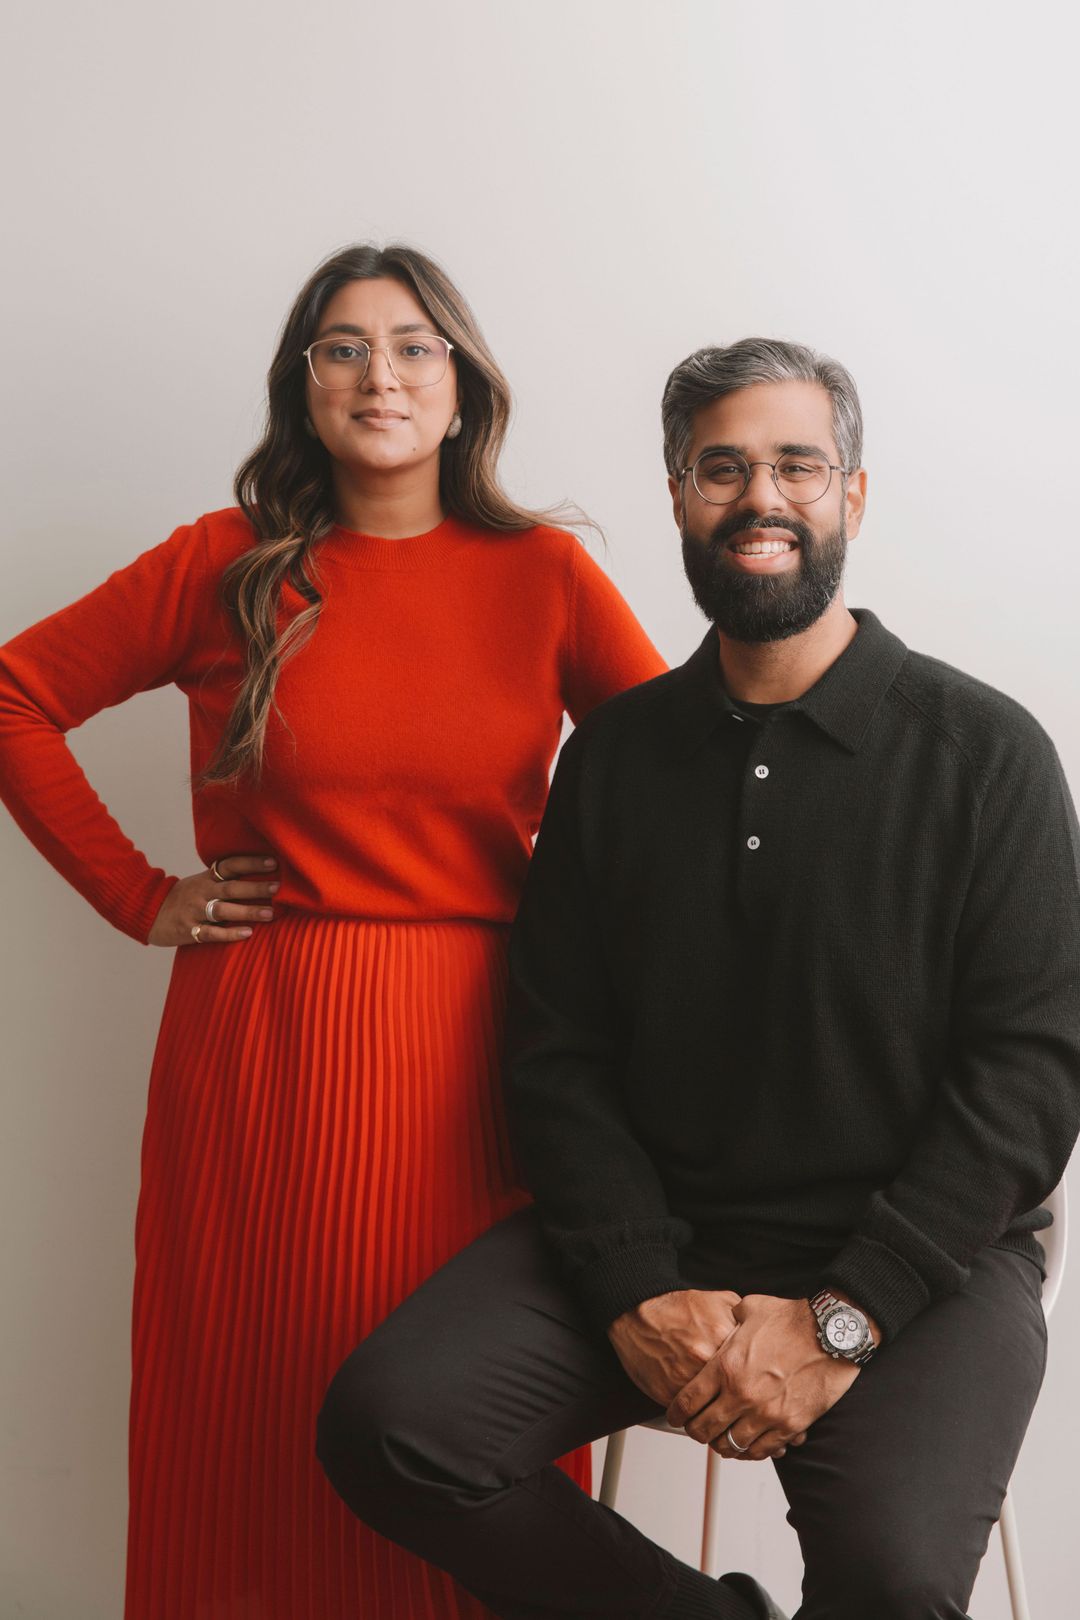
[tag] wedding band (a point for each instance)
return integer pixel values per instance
(217, 876)
(195, 933)
(209, 909)
(734, 1444)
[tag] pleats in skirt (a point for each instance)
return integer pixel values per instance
(324, 1129)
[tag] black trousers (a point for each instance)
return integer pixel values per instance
(441, 1428)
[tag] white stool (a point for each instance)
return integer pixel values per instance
(1054, 1240)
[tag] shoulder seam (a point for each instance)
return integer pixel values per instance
(942, 731)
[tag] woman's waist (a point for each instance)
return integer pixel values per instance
(374, 888)
(295, 918)
(297, 912)
(304, 959)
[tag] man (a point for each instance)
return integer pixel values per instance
(795, 1055)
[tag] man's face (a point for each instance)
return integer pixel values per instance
(765, 567)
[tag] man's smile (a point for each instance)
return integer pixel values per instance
(757, 553)
(762, 548)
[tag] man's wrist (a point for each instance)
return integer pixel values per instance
(845, 1299)
(638, 1312)
(842, 1328)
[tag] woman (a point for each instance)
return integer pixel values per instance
(377, 646)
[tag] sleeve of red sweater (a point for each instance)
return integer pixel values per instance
(129, 635)
(606, 650)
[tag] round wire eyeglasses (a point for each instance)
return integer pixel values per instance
(722, 476)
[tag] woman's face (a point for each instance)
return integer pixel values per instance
(380, 425)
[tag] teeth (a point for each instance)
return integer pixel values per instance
(763, 548)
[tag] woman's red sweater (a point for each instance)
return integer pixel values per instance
(407, 769)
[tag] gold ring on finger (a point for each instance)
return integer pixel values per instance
(209, 910)
(217, 875)
(196, 933)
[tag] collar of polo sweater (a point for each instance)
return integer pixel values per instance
(842, 703)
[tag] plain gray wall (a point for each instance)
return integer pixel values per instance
(612, 183)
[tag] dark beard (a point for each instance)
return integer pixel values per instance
(764, 607)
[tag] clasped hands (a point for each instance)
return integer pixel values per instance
(721, 1364)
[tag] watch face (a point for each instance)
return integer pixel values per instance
(845, 1330)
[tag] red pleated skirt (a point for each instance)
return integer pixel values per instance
(324, 1129)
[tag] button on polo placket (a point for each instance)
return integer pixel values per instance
(761, 772)
(759, 822)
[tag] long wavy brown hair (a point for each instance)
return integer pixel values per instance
(286, 491)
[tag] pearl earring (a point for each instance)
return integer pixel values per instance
(455, 426)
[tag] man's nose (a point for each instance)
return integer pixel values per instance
(761, 494)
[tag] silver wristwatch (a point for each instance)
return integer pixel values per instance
(842, 1330)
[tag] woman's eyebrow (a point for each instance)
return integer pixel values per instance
(360, 331)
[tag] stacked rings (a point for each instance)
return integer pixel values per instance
(209, 910)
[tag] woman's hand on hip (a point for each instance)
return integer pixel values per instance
(220, 906)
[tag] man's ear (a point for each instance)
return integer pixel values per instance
(675, 486)
(855, 501)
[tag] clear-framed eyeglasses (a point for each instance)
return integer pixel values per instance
(721, 476)
(417, 359)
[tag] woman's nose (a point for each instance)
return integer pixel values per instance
(379, 374)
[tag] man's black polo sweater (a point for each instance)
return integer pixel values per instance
(800, 998)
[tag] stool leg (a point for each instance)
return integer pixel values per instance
(1010, 1546)
(710, 1518)
(613, 1455)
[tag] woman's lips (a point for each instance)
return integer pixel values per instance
(379, 419)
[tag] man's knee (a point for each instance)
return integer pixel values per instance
(368, 1439)
(353, 1436)
(388, 1439)
(887, 1575)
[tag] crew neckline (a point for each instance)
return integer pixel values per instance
(360, 550)
(760, 711)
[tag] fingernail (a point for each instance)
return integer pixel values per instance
(269, 861)
(266, 915)
(245, 933)
(273, 887)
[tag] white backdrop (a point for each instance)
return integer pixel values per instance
(612, 183)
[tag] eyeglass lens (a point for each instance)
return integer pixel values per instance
(417, 359)
(721, 478)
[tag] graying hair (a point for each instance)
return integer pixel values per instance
(710, 373)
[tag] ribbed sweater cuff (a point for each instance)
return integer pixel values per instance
(133, 909)
(878, 1280)
(623, 1278)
